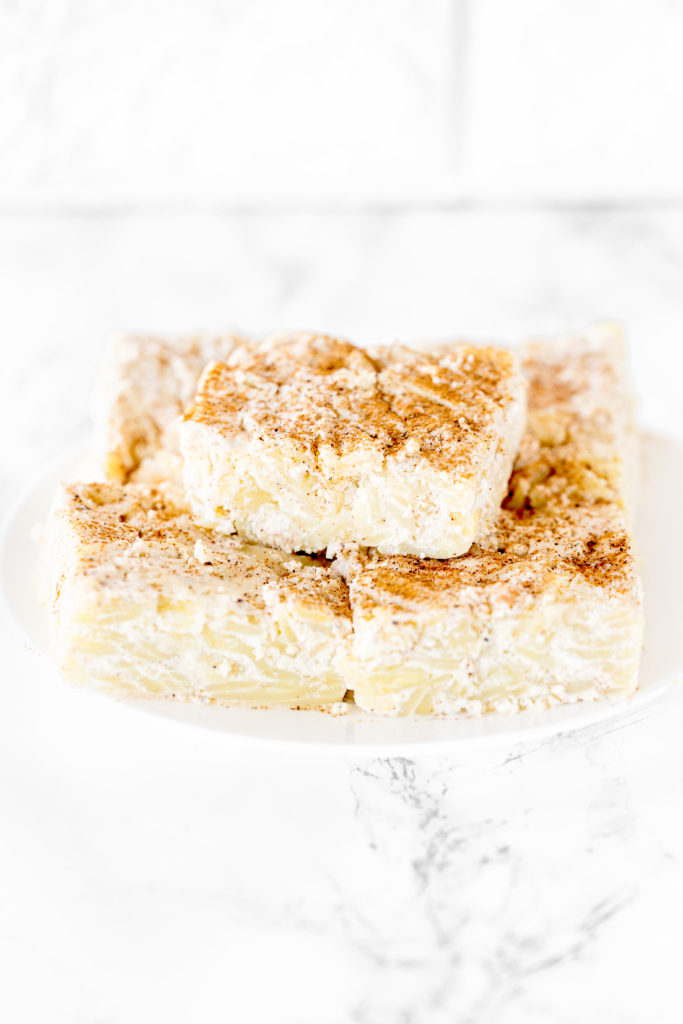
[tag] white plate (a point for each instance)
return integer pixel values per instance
(358, 733)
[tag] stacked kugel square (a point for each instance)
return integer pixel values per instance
(300, 521)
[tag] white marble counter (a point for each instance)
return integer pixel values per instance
(151, 872)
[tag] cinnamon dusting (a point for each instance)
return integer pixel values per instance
(315, 390)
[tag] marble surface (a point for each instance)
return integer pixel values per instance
(149, 871)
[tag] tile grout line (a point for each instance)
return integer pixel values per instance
(463, 205)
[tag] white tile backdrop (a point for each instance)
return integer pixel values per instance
(382, 168)
(575, 101)
(260, 101)
(209, 101)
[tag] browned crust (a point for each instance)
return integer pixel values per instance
(580, 426)
(563, 521)
(314, 390)
(146, 382)
(123, 529)
(525, 557)
(328, 590)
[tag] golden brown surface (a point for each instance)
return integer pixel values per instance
(128, 533)
(315, 389)
(580, 441)
(563, 520)
(146, 382)
(318, 587)
(559, 556)
(520, 559)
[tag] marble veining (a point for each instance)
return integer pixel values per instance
(458, 925)
(151, 871)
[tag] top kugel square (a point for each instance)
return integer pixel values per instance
(305, 441)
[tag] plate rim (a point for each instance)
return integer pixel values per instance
(595, 713)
